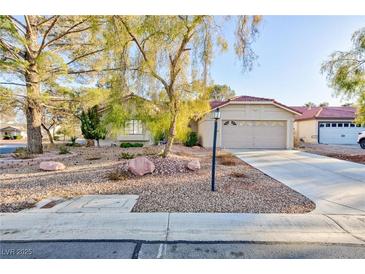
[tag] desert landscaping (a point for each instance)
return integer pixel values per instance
(171, 187)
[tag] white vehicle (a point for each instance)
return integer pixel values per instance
(361, 139)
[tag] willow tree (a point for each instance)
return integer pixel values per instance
(346, 73)
(170, 53)
(42, 57)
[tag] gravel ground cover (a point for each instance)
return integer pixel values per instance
(171, 188)
(351, 153)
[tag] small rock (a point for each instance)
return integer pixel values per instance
(196, 147)
(193, 165)
(140, 166)
(51, 166)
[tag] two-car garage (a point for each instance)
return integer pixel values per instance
(338, 132)
(254, 134)
(249, 122)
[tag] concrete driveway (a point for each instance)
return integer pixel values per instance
(336, 186)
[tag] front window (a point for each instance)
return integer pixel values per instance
(133, 127)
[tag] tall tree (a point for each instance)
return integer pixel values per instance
(91, 125)
(40, 55)
(346, 72)
(170, 53)
(310, 104)
(221, 92)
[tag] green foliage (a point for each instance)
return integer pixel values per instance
(73, 140)
(91, 126)
(346, 72)
(192, 139)
(126, 155)
(310, 104)
(63, 150)
(221, 92)
(127, 145)
(22, 153)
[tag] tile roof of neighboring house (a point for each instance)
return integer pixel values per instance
(215, 103)
(325, 113)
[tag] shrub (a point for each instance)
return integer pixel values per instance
(116, 175)
(192, 139)
(127, 145)
(18, 137)
(7, 137)
(126, 155)
(64, 150)
(238, 175)
(73, 140)
(228, 159)
(22, 153)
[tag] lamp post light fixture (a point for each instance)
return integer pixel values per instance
(217, 115)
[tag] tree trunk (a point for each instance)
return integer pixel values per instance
(33, 107)
(34, 134)
(172, 131)
(97, 142)
(50, 136)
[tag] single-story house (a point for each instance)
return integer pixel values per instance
(134, 131)
(12, 131)
(249, 122)
(245, 122)
(326, 125)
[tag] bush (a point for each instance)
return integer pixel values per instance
(127, 145)
(18, 137)
(7, 137)
(73, 140)
(192, 139)
(64, 150)
(228, 159)
(22, 153)
(126, 155)
(116, 175)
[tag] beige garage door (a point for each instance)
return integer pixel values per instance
(253, 134)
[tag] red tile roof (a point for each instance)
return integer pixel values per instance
(215, 103)
(325, 113)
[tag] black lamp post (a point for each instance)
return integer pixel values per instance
(217, 115)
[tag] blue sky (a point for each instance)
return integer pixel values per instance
(291, 50)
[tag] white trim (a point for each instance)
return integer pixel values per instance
(255, 103)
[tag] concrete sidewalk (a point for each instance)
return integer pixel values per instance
(301, 228)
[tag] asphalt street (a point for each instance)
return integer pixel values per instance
(120, 249)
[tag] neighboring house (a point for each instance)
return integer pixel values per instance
(10, 126)
(134, 131)
(326, 125)
(11, 131)
(249, 122)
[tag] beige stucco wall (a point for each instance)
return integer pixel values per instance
(241, 111)
(307, 131)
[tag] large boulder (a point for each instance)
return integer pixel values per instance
(193, 165)
(51, 166)
(140, 166)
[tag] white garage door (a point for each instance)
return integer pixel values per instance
(253, 134)
(344, 133)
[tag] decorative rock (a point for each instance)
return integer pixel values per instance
(51, 166)
(194, 165)
(196, 147)
(140, 166)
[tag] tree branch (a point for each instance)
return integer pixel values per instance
(46, 34)
(10, 49)
(17, 24)
(11, 83)
(46, 20)
(141, 50)
(67, 32)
